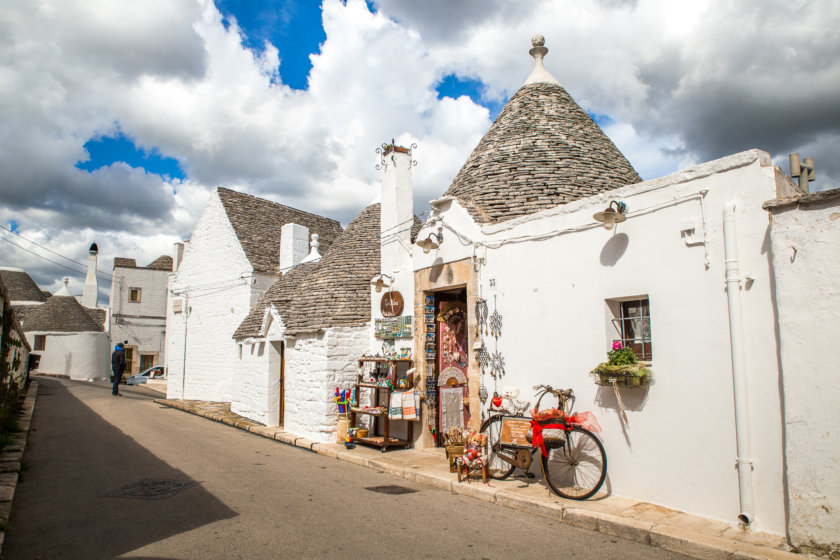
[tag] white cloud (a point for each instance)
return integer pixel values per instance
(680, 87)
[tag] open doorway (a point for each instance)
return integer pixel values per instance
(277, 366)
(451, 348)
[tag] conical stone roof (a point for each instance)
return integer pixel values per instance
(542, 150)
(60, 313)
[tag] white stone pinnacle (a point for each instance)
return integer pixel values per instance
(539, 74)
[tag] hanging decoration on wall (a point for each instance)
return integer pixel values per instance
(483, 357)
(481, 316)
(497, 365)
(482, 393)
(496, 324)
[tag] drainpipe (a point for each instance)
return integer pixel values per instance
(184, 362)
(739, 380)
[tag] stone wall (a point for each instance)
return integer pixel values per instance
(315, 366)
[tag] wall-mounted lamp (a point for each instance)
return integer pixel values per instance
(428, 244)
(378, 282)
(612, 214)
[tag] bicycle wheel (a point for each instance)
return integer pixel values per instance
(576, 470)
(496, 467)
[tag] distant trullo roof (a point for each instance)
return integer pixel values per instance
(20, 286)
(542, 150)
(60, 313)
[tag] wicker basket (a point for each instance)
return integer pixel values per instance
(553, 438)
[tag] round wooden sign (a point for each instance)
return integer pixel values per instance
(391, 304)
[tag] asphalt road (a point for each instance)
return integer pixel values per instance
(218, 492)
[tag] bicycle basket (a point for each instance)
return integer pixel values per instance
(552, 437)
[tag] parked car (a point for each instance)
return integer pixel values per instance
(155, 372)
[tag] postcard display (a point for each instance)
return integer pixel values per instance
(383, 394)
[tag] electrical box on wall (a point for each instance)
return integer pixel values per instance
(691, 232)
(177, 305)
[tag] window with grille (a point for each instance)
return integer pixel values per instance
(632, 323)
(40, 342)
(134, 295)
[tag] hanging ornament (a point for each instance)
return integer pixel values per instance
(497, 365)
(496, 322)
(482, 393)
(483, 357)
(481, 315)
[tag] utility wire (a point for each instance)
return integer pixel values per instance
(83, 265)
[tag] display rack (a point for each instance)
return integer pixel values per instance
(380, 419)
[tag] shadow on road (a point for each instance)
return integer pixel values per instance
(90, 491)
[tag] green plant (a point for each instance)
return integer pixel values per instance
(621, 355)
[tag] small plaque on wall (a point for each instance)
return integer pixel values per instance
(391, 304)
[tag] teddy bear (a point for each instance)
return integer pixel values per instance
(472, 457)
(509, 403)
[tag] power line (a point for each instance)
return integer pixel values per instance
(83, 265)
(41, 256)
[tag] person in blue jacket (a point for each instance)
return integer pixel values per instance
(118, 367)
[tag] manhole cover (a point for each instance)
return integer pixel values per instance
(149, 489)
(393, 490)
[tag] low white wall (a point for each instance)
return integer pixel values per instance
(806, 265)
(315, 366)
(85, 355)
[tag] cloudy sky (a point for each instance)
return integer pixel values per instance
(117, 117)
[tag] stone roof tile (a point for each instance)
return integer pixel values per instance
(59, 313)
(542, 150)
(20, 286)
(257, 223)
(336, 293)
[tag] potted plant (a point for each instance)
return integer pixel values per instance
(623, 368)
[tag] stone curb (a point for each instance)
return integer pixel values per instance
(667, 537)
(12, 456)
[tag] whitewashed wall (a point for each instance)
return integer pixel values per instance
(256, 376)
(679, 450)
(85, 355)
(142, 323)
(806, 265)
(315, 366)
(216, 282)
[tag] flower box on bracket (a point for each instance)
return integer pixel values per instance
(629, 375)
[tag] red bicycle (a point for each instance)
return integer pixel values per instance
(574, 463)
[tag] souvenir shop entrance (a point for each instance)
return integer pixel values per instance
(447, 357)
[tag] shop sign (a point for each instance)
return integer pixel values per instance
(391, 304)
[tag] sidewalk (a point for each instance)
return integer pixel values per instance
(665, 528)
(11, 459)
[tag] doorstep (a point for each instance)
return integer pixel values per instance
(658, 526)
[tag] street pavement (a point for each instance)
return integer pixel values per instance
(124, 477)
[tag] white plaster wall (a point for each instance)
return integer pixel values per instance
(85, 355)
(215, 281)
(806, 266)
(256, 376)
(315, 366)
(679, 450)
(142, 323)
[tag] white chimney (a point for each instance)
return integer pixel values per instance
(294, 245)
(397, 210)
(90, 295)
(177, 256)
